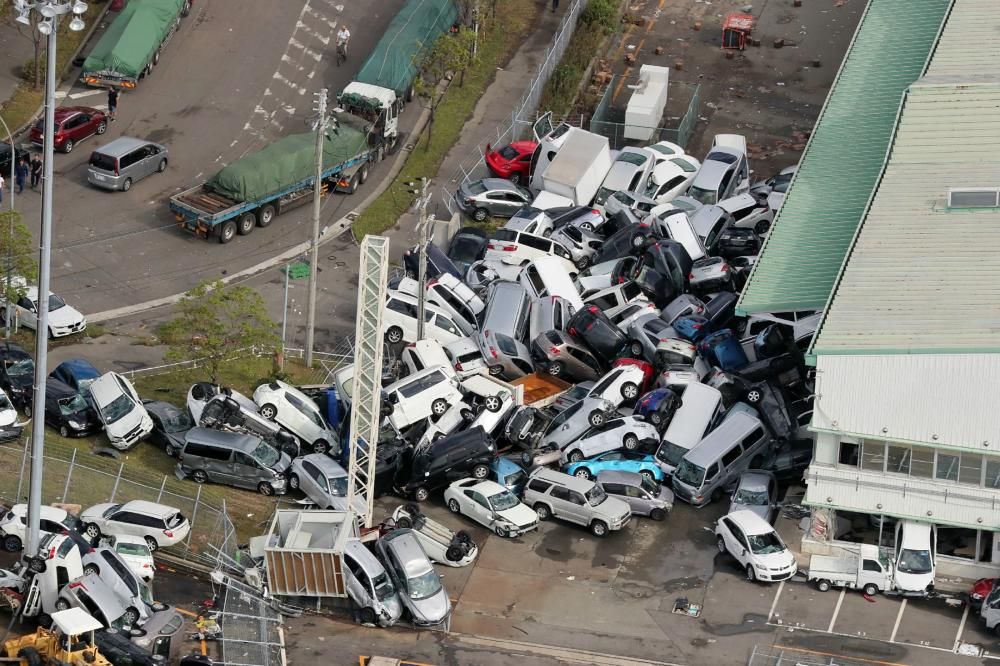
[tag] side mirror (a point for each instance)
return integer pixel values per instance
(744, 551)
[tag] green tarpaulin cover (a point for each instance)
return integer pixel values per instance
(393, 64)
(284, 163)
(130, 41)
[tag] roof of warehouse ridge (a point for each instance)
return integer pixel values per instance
(842, 161)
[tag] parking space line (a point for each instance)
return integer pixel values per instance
(961, 628)
(774, 604)
(835, 654)
(836, 610)
(899, 617)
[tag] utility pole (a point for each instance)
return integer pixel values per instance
(321, 123)
(423, 228)
(10, 232)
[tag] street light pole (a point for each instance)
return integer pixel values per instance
(50, 11)
(423, 229)
(317, 206)
(10, 229)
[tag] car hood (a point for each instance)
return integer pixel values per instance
(907, 582)
(758, 509)
(8, 417)
(64, 316)
(431, 610)
(781, 560)
(519, 515)
(95, 512)
(134, 417)
(613, 509)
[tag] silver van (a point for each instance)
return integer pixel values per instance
(700, 405)
(504, 329)
(369, 586)
(233, 459)
(124, 161)
(717, 461)
(644, 496)
(576, 500)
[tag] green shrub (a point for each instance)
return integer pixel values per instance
(602, 14)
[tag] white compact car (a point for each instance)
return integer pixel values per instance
(755, 545)
(420, 395)
(14, 524)
(628, 432)
(490, 504)
(618, 385)
(159, 525)
(63, 319)
(297, 413)
(125, 419)
(135, 552)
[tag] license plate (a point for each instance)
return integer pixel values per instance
(99, 176)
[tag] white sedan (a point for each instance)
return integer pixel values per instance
(492, 505)
(296, 412)
(671, 178)
(628, 432)
(135, 552)
(63, 319)
(618, 384)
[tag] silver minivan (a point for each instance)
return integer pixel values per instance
(504, 329)
(700, 407)
(716, 462)
(369, 586)
(233, 459)
(575, 500)
(124, 161)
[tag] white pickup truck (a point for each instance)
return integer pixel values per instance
(870, 571)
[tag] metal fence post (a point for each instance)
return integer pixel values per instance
(117, 480)
(69, 475)
(162, 486)
(20, 478)
(194, 514)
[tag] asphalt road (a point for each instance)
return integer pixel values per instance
(238, 74)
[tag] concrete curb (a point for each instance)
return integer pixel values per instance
(328, 234)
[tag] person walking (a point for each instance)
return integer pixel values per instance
(36, 170)
(21, 174)
(112, 102)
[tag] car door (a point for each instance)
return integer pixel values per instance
(308, 483)
(295, 420)
(246, 471)
(577, 506)
(637, 499)
(126, 522)
(358, 585)
(478, 508)
(26, 312)
(562, 507)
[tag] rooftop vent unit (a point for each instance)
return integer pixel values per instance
(973, 197)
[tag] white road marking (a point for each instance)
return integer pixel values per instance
(235, 141)
(305, 28)
(60, 94)
(961, 628)
(774, 604)
(899, 617)
(836, 611)
(86, 93)
(315, 55)
(321, 17)
(288, 82)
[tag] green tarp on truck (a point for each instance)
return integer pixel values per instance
(128, 45)
(284, 163)
(394, 62)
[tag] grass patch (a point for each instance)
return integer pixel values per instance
(597, 21)
(498, 39)
(25, 101)
(26, 337)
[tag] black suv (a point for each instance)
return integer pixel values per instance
(437, 464)
(598, 333)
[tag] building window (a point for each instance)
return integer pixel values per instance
(873, 456)
(849, 454)
(970, 469)
(992, 473)
(947, 467)
(898, 460)
(922, 462)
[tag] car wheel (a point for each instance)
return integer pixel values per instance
(227, 232)
(630, 442)
(583, 473)
(394, 334)
(575, 456)
(751, 574)
(587, 226)
(501, 531)
(162, 166)
(37, 564)
(453, 505)
(62, 604)
(170, 450)
(542, 511)
(515, 178)
(265, 488)
(12, 543)
(599, 529)
(871, 589)
(754, 396)
(92, 569)
(199, 476)
(63, 431)
(320, 446)
(265, 216)
(27, 411)
(131, 616)
(368, 616)
(421, 494)
(630, 390)
(68, 146)
(152, 544)
(646, 474)
(454, 554)
(656, 419)
(720, 543)
(658, 515)
(480, 214)
(404, 522)
(268, 411)
(635, 349)
(467, 415)
(493, 403)
(596, 418)
(555, 368)
(126, 185)
(480, 472)
(439, 406)
(823, 585)
(638, 240)
(246, 224)
(761, 227)
(496, 370)
(293, 481)
(92, 531)
(102, 127)
(582, 262)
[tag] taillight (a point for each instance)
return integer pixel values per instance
(116, 167)
(75, 585)
(168, 534)
(432, 282)
(595, 211)
(592, 309)
(696, 327)
(572, 330)
(458, 366)
(411, 345)
(52, 552)
(554, 350)
(725, 268)
(690, 276)
(509, 248)
(493, 352)
(468, 201)
(147, 565)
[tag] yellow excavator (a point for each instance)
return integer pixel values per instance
(69, 642)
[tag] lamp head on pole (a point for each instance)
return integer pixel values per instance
(77, 24)
(45, 27)
(79, 7)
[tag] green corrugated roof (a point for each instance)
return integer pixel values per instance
(838, 170)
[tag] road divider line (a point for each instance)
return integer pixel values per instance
(836, 611)
(774, 604)
(85, 93)
(899, 617)
(961, 628)
(558, 653)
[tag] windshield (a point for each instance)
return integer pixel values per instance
(24, 367)
(603, 194)
(650, 486)
(144, 592)
(596, 496)
(266, 454)
(751, 497)
(425, 585)
(132, 549)
(638, 159)
(110, 510)
(671, 453)
(765, 544)
(914, 561)
(689, 473)
(706, 197)
(515, 479)
(72, 405)
(177, 421)
(338, 486)
(508, 153)
(118, 408)
(383, 587)
(503, 501)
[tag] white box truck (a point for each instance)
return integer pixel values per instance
(579, 167)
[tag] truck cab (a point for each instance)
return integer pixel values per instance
(375, 104)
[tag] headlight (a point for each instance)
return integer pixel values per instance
(74, 424)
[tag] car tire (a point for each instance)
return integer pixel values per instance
(583, 473)
(720, 544)
(542, 511)
(501, 531)
(68, 146)
(131, 616)
(761, 227)
(27, 411)
(630, 390)
(12, 543)
(496, 370)
(102, 127)
(439, 407)
(265, 489)
(454, 554)
(92, 531)
(363, 174)
(630, 442)
(227, 232)
(599, 529)
(659, 515)
(92, 569)
(246, 224)
(152, 544)
(555, 368)
(493, 403)
(268, 411)
(199, 476)
(162, 166)
(453, 506)
(575, 456)
(656, 419)
(421, 494)
(265, 215)
(126, 185)
(515, 178)
(467, 415)
(62, 604)
(170, 450)
(63, 432)
(596, 418)
(320, 446)
(293, 481)
(582, 263)
(754, 396)
(480, 215)
(823, 585)
(395, 335)
(480, 472)
(646, 474)
(638, 240)
(404, 522)
(37, 564)
(635, 349)
(751, 574)
(871, 589)
(716, 495)
(368, 616)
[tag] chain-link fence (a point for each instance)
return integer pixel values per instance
(251, 627)
(679, 116)
(522, 114)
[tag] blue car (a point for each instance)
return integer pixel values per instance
(508, 474)
(692, 328)
(78, 374)
(722, 349)
(621, 461)
(658, 406)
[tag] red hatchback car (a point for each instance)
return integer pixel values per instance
(73, 125)
(512, 162)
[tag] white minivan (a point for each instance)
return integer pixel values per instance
(699, 408)
(421, 394)
(399, 321)
(547, 276)
(125, 419)
(755, 545)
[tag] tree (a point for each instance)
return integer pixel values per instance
(18, 258)
(215, 322)
(32, 69)
(452, 54)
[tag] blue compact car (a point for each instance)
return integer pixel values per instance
(692, 328)
(658, 406)
(620, 461)
(722, 349)
(508, 474)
